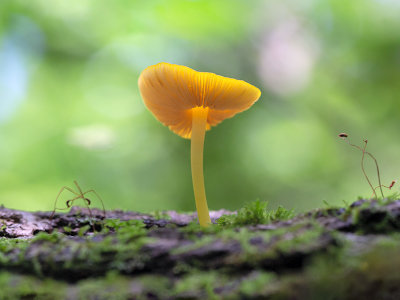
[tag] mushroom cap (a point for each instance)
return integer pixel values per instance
(171, 91)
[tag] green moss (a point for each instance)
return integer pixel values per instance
(125, 230)
(7, 244)
(15, 287)
(193, 230)
(116, 225)
(372, 217)
(53, 237)
(305, 237)
(277, 246)
(67, 229)
(337, 273)
(255, 213)
(160, 215)
(83, 230)
(243, 236)
(111, 286)
(345, 273)
(198, 285)
(300, 259)
(257, 283)
(253, 248)
(55, 253)
(199, 243)
(14, 246)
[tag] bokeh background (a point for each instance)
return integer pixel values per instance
(70, 106)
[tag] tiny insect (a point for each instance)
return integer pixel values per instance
(79, 194)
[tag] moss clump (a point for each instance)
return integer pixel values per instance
(112, 286)
(69, 257)
(199, 285)
(347, 273)
(375, 219)
(257, 284)
(160, 215)
(124, 230)
(255, 213)
(193, 230)
(372, 216)
(14, 286)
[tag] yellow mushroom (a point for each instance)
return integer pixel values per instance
(189, 103)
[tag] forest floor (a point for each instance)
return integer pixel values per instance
(350, 252)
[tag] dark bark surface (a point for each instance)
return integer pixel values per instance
(24, 224)
(335, 253)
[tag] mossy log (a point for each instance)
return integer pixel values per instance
(348, 252)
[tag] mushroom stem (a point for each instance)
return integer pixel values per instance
(199, 121)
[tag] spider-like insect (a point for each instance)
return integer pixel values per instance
(79, 194)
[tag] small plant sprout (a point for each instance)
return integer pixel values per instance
(79, 194)
(344, 136)
(189, 103)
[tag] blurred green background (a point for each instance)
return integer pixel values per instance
(70, 106)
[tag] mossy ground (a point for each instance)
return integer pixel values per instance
(334, 253)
